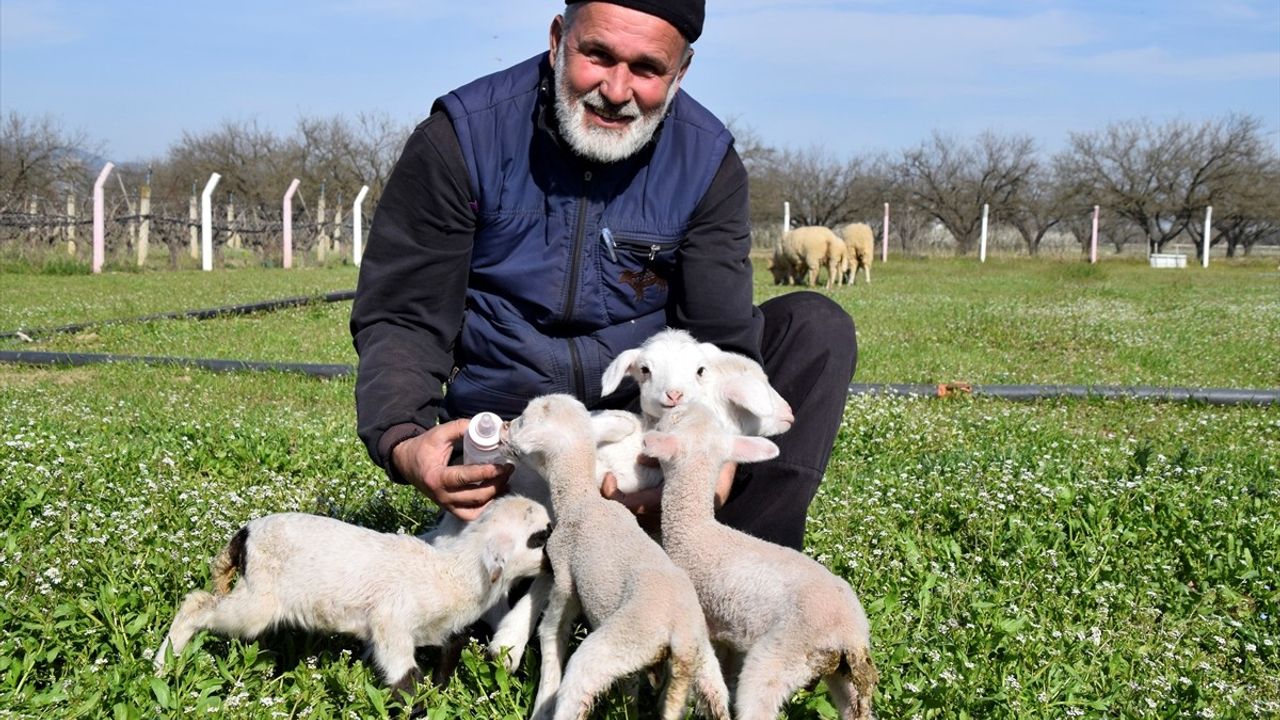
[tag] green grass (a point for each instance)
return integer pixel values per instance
(1046, 560)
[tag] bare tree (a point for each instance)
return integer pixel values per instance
(1161, 177)
(1040, 206)
(38, 157)
(952, 181)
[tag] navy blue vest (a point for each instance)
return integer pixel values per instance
(549, 302)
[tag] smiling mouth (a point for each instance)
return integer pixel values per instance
(607, 119)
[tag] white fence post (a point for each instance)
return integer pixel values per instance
(786, 217)
(357, 246)
(1093, 242)
(884, 235)
(1208, 228)
(288, 224)
(982, 243)
(206, 223)
(99, 222)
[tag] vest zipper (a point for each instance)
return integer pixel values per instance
(575, 363)
(576, 263)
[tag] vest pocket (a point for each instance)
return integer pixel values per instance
(635, 269)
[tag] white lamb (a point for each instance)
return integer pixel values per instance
(395, 592)
(642, 608)
(784, 616)
(671, 368)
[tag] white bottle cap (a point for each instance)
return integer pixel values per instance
(485, 430)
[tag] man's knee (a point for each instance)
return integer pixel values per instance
(805, 325)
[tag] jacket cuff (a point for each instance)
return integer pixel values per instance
(393, 436)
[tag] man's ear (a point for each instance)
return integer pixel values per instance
(496, 552)
(684, 67)
(557, 35)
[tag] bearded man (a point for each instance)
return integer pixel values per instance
(547, 217)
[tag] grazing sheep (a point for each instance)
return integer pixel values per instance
(784, 616)
(395, 592)
(641, 607)
(807, 250)
(861, 243)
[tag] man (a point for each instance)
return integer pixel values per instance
(547, 217)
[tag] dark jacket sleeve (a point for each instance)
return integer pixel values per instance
(712, 290)
(412, 290)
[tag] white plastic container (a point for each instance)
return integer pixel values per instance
(480, 444)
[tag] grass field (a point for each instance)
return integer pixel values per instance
(1047, 560)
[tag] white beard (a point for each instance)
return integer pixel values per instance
(604, 145)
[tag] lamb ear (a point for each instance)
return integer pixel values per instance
(610, 428)
(618, 369)
(751, 395)
(496, 552)
(661, 445)
(753, 449)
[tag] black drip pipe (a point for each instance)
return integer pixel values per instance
(80, 359)
(1210, 396)
(201, 314)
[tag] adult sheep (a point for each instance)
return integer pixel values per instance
(861, 244)
(807, 249)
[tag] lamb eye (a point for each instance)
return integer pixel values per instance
(700, 371)
(644, 370)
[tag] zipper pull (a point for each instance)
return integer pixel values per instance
(606, 236)
(653, 252)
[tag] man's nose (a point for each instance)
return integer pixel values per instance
(616, 87)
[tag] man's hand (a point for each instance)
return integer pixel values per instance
(647, 503)
(463, 490)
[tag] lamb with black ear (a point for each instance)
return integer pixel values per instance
(393, 591)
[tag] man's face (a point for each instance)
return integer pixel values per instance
(616, 71)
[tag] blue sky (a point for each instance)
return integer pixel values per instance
(849, 77)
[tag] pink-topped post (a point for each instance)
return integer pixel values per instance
(1093, 242)
(99, 218)
(884, 235)
(288, 223)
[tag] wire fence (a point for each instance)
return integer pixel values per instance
(168, 234)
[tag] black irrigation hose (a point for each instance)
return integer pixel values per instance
(202, 314)
(1211, 396)
(25, 357)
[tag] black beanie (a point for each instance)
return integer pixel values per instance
(685, 15)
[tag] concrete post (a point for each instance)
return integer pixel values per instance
(322, 232)
(71, 224)
(144, 224)
(192, 217)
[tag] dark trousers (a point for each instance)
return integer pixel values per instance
(810, 352)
